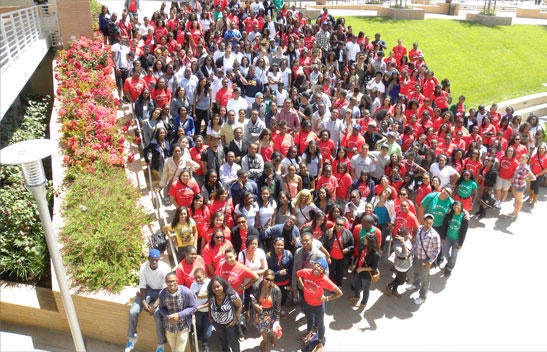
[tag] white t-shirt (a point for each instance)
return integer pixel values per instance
(254, 264)
(444, 174)
(155, 279)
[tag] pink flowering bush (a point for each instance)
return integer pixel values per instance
(102, 219)
(88, 108)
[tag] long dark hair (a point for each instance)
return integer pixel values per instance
(176, 217)
(225, 287)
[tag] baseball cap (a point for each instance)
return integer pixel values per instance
(154, 254)
(428, 215)
(322, 263)
(372, 123)
(385, 145)
(357, 127)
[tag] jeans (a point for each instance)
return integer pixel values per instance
(228, 337)
(136, 308)
(203, 326)
(337, 270)
(315, 316)
(450, 252)
(421, 277)
(361, 285)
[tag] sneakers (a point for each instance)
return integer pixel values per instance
(497, 204)
(131, 344)
(419, 300)
(159, 348)
(412, 287)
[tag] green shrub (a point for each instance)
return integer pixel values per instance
(95, 7)
(103, 247)
(23, 250)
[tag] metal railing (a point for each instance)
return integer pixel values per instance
(21, 28)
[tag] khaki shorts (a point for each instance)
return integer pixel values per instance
(503, 184)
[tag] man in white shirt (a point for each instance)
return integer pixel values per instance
(376, 83)
(237, 102)
(228, 170)
(352, 48)
(361, 162)
(189, 82)
(334, 125)
(151, 281)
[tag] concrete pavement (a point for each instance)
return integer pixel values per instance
(494, 300)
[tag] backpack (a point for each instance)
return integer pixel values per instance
(158, 241)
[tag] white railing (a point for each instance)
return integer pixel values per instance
(21, 28)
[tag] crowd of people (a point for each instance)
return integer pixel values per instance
(297, 152)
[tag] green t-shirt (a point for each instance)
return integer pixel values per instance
(437, 207)
(454, 227)
(466, 188)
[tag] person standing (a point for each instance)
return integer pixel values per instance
(521, 175)
(151, 281)
(365, 268)
(453, 234)
(266, 301)
(339, 242)
(314, 282)
(224, 310)
(426, 248)
(176, 306)
(203, 325)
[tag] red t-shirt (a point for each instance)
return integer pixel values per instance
(344, 184)
(195, 154)
(234, 274)
(474, 166)
(185, 271)
(423, 191)
(161, 97)
(336, 251)
(134, 87)
(201, 217)
(326, 149)
(330, 183)
(213, 255)
(407, 220)
(184, 193)
(227, 207)
(314, 286)
(349, 141)
(507, 167)
(538, 163)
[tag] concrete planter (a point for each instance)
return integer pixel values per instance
(401, 13)
(489, 20)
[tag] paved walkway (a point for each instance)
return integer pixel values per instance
(492, 301)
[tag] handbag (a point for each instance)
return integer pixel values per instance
(376, 277)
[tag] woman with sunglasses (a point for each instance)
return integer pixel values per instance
(213, 252)
(266, 302)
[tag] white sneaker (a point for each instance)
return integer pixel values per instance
(412, 287)
(498, 204)
(131, 344)
(419, 300)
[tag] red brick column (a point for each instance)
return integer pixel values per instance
(74, 19)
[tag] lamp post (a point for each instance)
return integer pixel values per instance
(29, 155)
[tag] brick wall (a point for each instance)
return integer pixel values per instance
(74, 19)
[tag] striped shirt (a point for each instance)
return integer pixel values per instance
(427, 244)
(225, 312)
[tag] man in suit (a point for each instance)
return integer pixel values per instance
(237, 145)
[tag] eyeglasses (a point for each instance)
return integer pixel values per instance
(447, 192)
(337, 224)
(269, 279)
(403, 194)
(242, 221)
(219, 237)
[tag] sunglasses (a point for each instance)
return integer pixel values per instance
(219, 237)
(242, 222)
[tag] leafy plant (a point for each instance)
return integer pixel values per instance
(23, 250)
(102, 232)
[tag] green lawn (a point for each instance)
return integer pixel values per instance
(486, 64)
